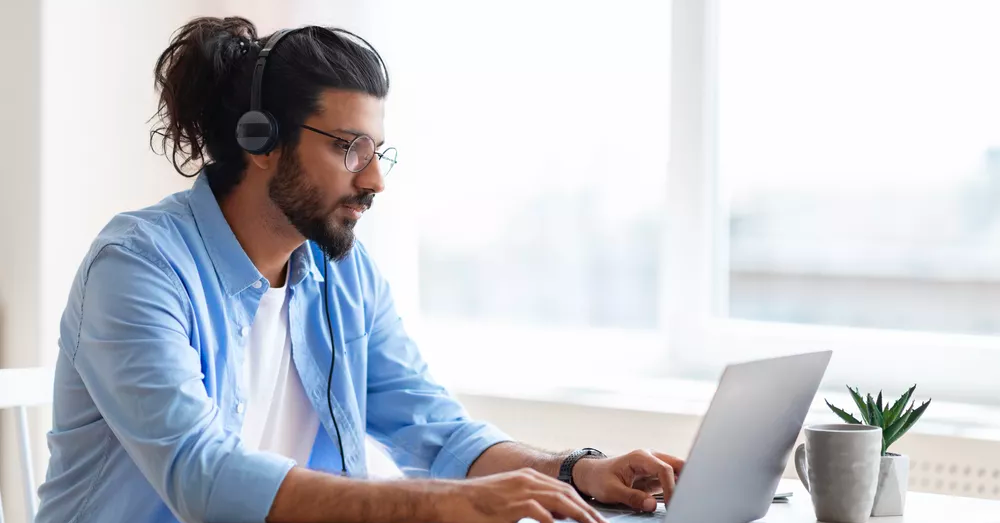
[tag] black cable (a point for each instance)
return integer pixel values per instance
(333, 360)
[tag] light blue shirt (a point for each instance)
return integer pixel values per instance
(149, 394)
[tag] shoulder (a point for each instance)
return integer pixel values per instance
(148, 239)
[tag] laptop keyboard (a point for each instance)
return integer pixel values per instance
(636, 516)
(623, 515)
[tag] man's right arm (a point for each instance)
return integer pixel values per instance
(133, 353)
(307, 496)
(314, 497)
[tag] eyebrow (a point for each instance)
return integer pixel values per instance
(359, 133)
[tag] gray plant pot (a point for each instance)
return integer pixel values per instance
(893, 479)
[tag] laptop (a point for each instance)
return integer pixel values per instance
(742, 445)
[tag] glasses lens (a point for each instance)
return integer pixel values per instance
(359, 154)
(387, 161)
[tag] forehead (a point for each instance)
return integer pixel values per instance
(350, 110)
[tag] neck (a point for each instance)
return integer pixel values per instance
(262, 230)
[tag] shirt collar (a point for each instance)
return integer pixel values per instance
(304, 263)
(234, 268)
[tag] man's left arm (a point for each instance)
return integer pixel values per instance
(631, 479)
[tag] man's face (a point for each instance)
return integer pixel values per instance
(313, 187)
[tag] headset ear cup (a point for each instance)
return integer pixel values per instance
(257, 132)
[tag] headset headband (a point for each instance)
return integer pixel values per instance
(258, 69)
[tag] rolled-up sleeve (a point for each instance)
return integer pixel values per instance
(426, 430)
(138, 365)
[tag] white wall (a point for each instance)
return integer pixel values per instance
(97, 92)
(76, 95)
(20, 181)
(20, 213)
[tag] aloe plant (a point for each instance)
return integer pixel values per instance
(894, 420)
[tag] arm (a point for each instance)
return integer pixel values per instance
(145, 378)
(314, 497)
(509, 456)
(135, 358)
(629, 479)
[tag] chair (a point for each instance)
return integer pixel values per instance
(20, 389)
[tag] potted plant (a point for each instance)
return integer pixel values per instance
(895, 420)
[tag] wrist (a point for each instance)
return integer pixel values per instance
(570, 470)
(581, 472)
(437, 506)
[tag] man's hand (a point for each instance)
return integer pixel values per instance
(510, 496)
(631, 479)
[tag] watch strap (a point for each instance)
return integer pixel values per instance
(566, 469)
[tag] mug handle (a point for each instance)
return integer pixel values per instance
(800, 465)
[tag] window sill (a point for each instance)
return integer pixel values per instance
(692, 397)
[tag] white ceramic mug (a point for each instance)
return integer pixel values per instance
(839, 466)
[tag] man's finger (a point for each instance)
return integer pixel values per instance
(559, 503)
(531, 509)
(650, 485)
(649, 464)
(638, 500)
(673, 461)
(547, 482)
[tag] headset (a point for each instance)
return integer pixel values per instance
(257, 133)
(257, 130)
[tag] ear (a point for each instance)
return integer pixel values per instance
(262, 161)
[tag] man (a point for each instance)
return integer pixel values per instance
(223, 353)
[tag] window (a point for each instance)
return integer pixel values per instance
(664, 188)
(536, 159)
(861, 165)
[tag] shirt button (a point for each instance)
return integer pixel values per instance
(240, 407)
(257, 284)
(245, 331)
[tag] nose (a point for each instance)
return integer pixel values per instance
(370, 178)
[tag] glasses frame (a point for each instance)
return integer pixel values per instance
(347, 144)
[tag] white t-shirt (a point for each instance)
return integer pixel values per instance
(279, 417)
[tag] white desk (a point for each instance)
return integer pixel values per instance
(920, 508)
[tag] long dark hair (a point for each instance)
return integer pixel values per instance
(204, 78)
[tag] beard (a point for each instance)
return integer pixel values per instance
(302, 203)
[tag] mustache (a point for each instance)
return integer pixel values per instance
(364, 199)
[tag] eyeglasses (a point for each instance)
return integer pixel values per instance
(360, 151)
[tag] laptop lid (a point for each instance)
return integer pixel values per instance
(745, 439)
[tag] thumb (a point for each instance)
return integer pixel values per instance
(639, 501)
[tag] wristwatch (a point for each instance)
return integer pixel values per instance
(566, 469)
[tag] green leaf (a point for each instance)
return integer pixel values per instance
(843, 415)
(899, 405)
(862, 408)
(910, 420)
(874, 415)
(889, 434)
(876, 412)
(879, 402)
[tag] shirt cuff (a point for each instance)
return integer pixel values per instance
(245, 488)
(463, 447)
